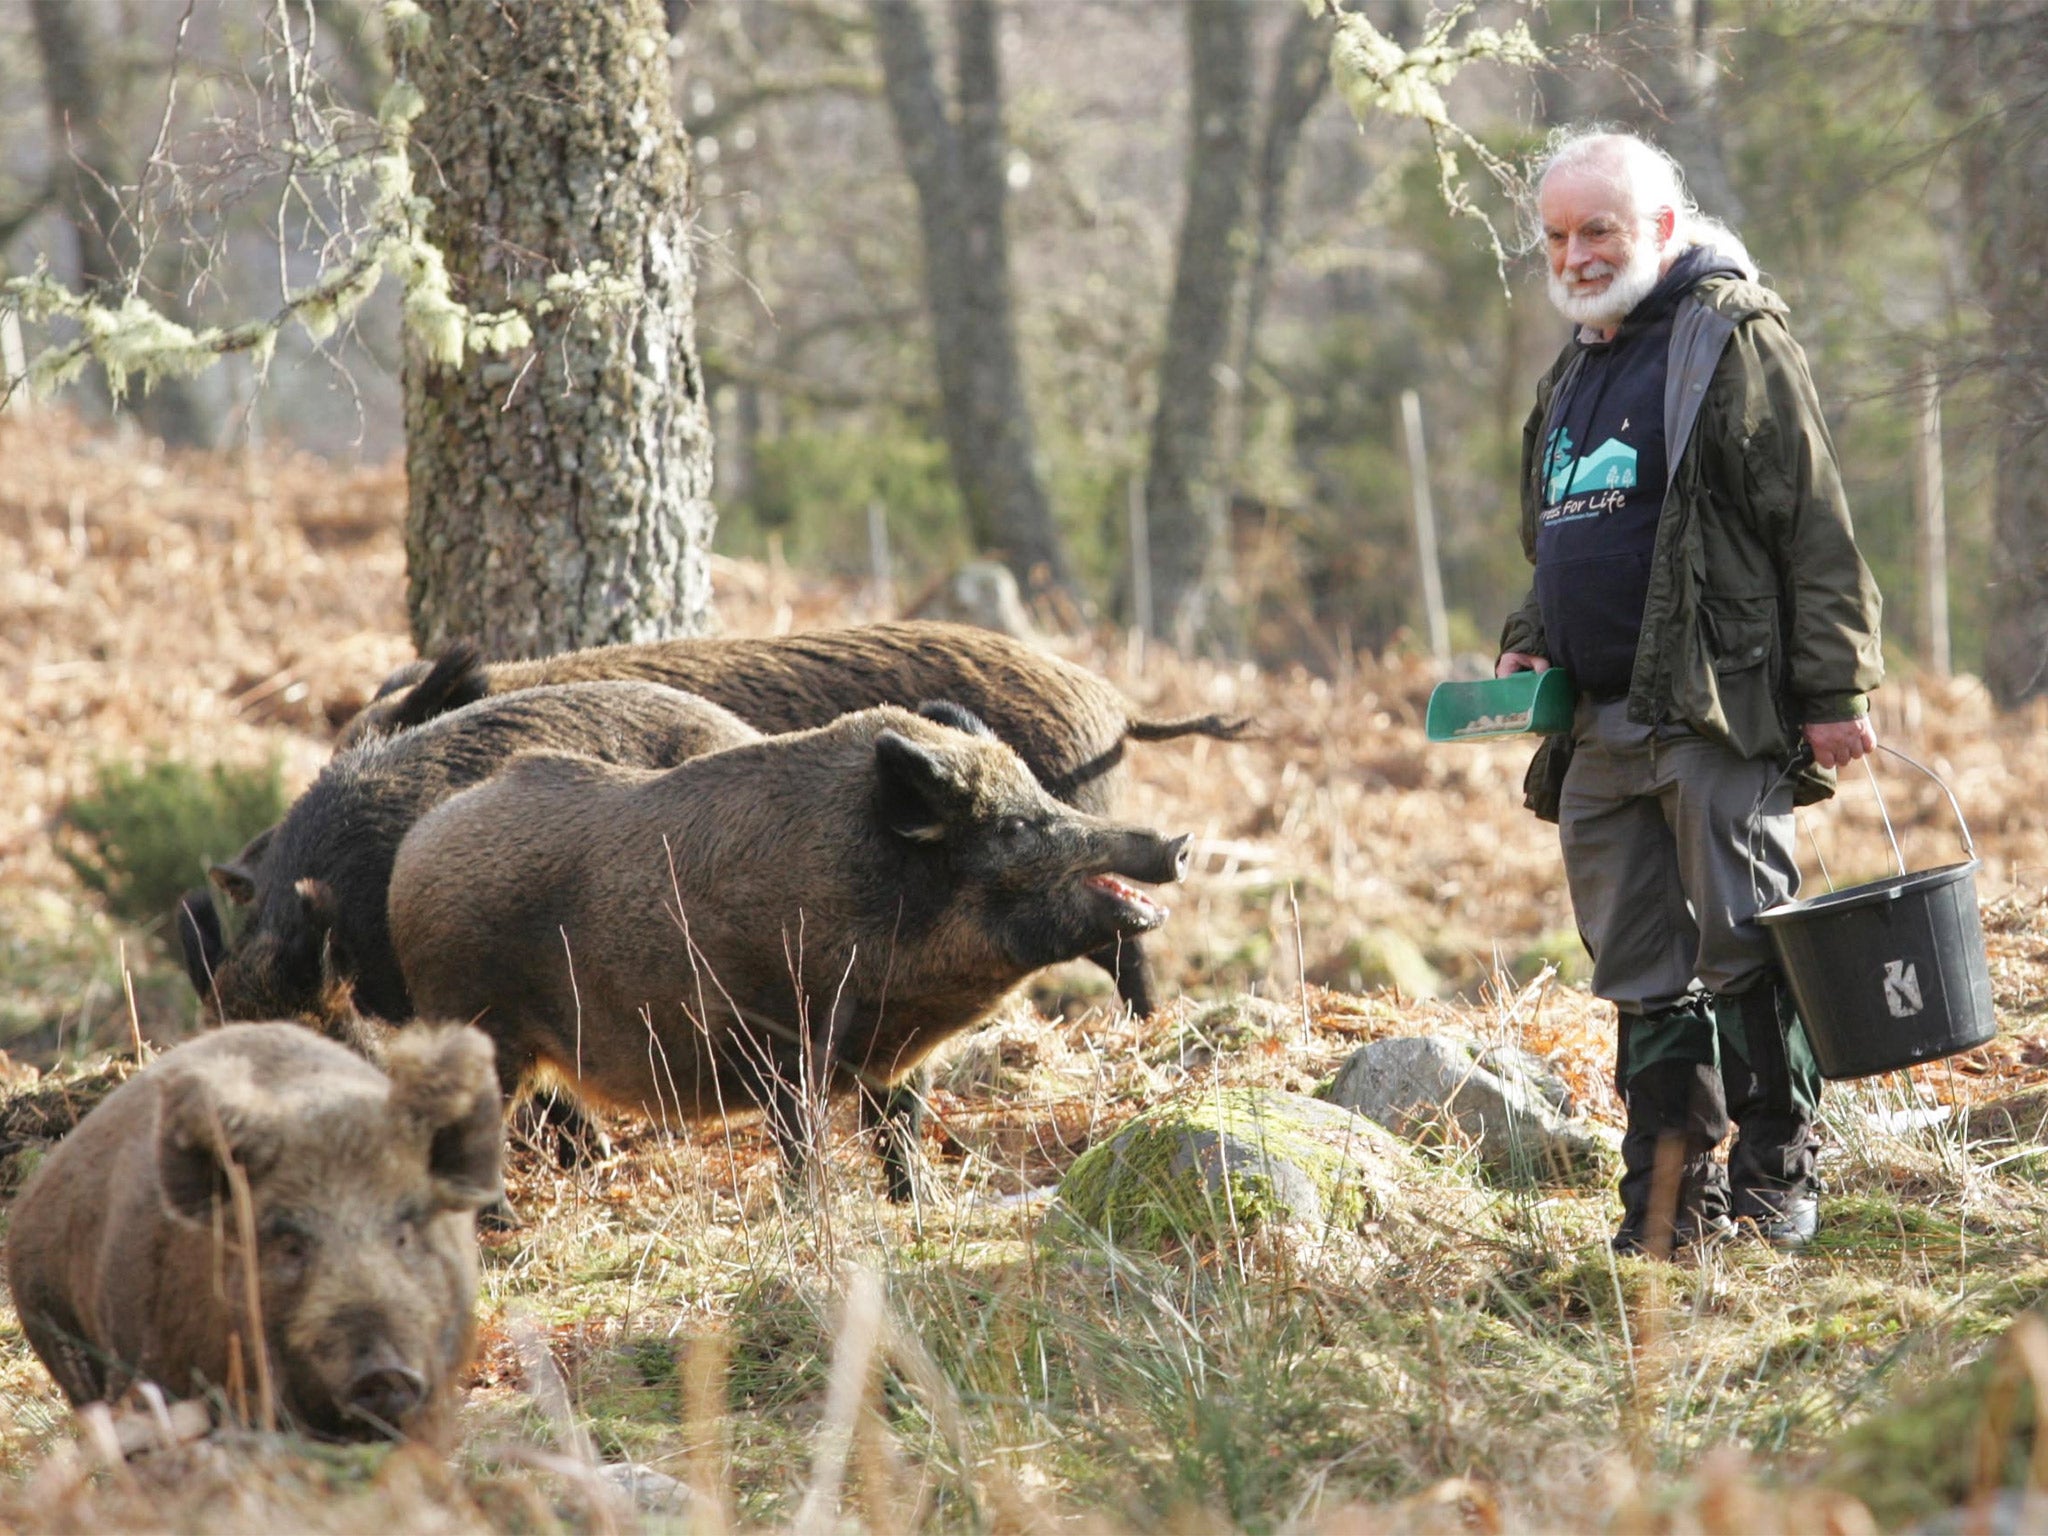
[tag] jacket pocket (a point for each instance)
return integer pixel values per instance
(1740, 638)
(1543, 784)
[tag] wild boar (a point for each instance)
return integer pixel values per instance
(317, 944)
(805, 912)
(1068, 724)
(127, 1254)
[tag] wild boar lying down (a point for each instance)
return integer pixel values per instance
(315, 883)
(126, 1254)
(807, 911)
(1068, 724)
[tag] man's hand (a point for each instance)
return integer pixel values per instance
(1512, 662)
(1838, 743)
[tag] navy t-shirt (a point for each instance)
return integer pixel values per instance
(1603, 479)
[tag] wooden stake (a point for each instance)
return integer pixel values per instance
(1931, 515)
(1140, 528)
(1425, 530)
(13, 365)
(880, 572)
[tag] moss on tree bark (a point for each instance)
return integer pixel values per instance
(560, 495)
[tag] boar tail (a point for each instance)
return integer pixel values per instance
(1222, 727)
(457, 679)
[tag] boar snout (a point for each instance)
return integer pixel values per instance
(384, 1391)
(1173, 860)
(1151, 858)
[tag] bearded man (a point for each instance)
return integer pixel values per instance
(1697, 576)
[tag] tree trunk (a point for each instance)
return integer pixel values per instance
(90, 172)
(1184, 502)
(1671, 51)
(1997, 68)
(1301, 78)
(962, 179)
(560, 497)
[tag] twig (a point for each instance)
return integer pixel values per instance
(1300, 962)
(134, 1019)
(860, 1330)
(252, 1298)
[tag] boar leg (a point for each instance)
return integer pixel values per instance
(1126, 961)
(894, 1116)
(794, 1114)
(551, 1113)
(55, 1333)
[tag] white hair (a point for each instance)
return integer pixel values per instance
(1650, 177)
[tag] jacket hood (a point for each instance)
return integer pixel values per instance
(1695, 264)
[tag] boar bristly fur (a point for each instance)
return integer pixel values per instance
(316, 945)
(127, 1259)
(812, 910)
(1068, 724)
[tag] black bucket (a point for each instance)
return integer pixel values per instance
(1891, 973)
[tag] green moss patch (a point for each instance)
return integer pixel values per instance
(1920, 1456)
(1211, 1164)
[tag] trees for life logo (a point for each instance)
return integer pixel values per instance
(1902, 988)
(1611, 466)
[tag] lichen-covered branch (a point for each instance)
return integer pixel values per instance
(1375, 74)
(135, 342)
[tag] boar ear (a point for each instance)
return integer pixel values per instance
(443, 1082)
(913, 788)
(203, 1121)
(236, 879)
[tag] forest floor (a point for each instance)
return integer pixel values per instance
(1362, 883)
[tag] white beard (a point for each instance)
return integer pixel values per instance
(1609, 307)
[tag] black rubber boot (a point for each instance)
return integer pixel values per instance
(1676, 1118)
(1773, 1092)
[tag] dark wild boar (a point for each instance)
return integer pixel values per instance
(317, 944)
(1068, 724)
(809, 911)
(126, 1255)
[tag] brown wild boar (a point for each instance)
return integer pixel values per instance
(808, 911)
(126, 1254)
(316, 945)
(1068, 724)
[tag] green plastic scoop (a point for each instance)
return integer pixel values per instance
(1520, 704)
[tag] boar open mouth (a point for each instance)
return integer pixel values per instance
(1130, 908)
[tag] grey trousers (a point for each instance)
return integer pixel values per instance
(1655, 826)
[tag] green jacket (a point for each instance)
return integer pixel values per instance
(1761, 616)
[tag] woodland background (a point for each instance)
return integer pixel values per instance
(1875, 157)
(214, 575)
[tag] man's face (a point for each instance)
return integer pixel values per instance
(1604, 256)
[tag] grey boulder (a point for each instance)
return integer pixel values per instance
(1518, 1114)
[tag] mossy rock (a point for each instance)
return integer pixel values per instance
(1503, 1102)
(1381, 958)
(1560, 947)
(1210, 1164)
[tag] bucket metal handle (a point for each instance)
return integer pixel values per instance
(1969, 847)
(1804, 756)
